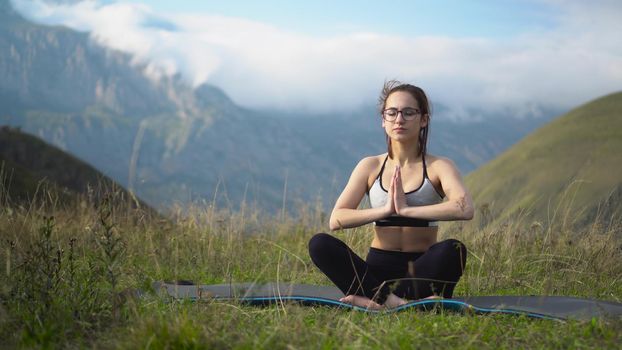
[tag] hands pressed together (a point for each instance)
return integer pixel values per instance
(396, 200)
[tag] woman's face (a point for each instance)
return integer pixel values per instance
(401, 129)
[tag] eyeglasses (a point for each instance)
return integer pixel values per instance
(408, 113)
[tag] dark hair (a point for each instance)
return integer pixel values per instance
(418, 94)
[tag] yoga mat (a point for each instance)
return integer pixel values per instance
(548, 307)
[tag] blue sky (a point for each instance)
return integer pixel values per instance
(502, 18)
(524, 56)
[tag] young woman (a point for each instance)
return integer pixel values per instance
(409, 191)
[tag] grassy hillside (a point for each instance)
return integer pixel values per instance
(67, 278)
(568, 171)
(31, 167)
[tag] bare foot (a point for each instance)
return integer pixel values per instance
(361, 301)
(357, 300)
(394, 301)
(433, 297)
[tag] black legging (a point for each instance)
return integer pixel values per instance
(436, 271)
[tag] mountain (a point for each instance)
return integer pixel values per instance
(30, 166)
(567, 171)
(171, 143)
(90, 101)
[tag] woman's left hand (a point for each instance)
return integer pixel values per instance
(399, 197)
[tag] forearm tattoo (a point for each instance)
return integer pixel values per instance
(462, 204)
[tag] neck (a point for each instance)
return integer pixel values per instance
(405, 153)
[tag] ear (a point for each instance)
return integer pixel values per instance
(425, 118)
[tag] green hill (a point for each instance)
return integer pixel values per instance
(29, 167)
(568, 171)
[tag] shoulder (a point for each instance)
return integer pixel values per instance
(371, 163)
(368, 168)
(440, 165)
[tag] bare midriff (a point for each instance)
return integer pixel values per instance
(404, 239)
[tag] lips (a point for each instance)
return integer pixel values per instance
(399, 129)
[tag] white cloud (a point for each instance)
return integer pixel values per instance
(263, 66)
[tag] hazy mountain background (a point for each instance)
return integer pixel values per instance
(171, 143)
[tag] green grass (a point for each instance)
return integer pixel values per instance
(68, 272)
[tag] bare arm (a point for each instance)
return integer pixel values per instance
(345, 213)
(458, 205)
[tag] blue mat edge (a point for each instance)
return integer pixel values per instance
(447, 304)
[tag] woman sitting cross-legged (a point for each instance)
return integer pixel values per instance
(409, 192)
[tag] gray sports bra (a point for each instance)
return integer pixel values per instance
(426, 194)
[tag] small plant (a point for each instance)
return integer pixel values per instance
(38, 279)
(111, 248)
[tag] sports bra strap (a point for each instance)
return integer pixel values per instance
(382, 169)
(425, 168)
